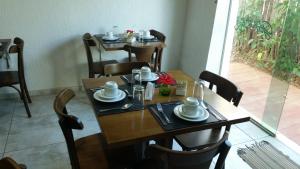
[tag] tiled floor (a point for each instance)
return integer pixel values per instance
(255, 85)
(39, 143)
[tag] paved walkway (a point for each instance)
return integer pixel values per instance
(255, 85)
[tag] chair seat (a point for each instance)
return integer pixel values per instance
(98, 67)
(9, 78)
(92, 155)
(200, 139)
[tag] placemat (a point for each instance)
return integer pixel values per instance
(123, 40)
(98, 105)
(128, 79)
(177, 123)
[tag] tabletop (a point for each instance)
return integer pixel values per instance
(136, 126)
(119, 45)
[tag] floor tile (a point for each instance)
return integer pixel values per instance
(233, 161)
(3, 139)
(54, 156)
(40, 106)
(34, 123)
(252, 130)
(237, 136)
(37, 137)
(90, 127)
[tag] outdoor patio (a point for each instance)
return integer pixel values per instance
(255, 85)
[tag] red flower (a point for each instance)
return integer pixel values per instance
(166, 79)
(129, 31)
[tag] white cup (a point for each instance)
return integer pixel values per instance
(147, 34)
(190, 106)
(145, 72)
(110, 35)
(111, 89)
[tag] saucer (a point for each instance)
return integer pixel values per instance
(201, 116)
(102, 94)
(110, 38)
(148, 37)
(153, 77)
(116, 99)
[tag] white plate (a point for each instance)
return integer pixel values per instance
(154, 77)
(121, 97)
(110, 38)
(149, 37)
(203, 116)
(102, 94)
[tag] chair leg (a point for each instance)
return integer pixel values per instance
(26, 92)
(25, 102)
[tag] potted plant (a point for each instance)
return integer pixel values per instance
(164, 82)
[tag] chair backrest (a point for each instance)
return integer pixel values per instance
(142, 53)
(166, 158)
(18, 48)
(123, 68)
(224, 87)
(89, 42)
(67, 123)
(9, 163)
(161, 37)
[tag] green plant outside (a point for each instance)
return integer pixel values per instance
(268, 36)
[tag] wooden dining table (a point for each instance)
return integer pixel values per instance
(137, 126)
(119, 44)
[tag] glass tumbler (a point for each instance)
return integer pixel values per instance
(135, 78)
(198, 91)
(139, 94)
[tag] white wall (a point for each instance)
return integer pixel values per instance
(198, 31)
(52, 30)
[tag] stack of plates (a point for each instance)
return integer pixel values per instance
(100, 96)
(201, 115)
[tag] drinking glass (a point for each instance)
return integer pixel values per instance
(139, 94)
(136, 76)
(141, 34)
(198, 91)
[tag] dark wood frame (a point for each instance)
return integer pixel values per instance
(160, 36)
(11, 78)
(94, 67)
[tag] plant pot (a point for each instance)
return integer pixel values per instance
(164, 90)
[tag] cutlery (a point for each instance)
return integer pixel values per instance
(160, 109)
(160, 118)
(124, 107)
(96, 88)
(124, 77)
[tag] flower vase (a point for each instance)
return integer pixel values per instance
(164, 90)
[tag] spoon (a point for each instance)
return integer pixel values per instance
(124, 107)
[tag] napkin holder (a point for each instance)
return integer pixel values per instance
(181, 87)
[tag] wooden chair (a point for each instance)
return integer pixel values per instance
(88, 152)
(123, 68)
(11, 78)
(9, 163)
(142, 54)
(225, 89)
(94, 67)
(161, 37)
(164, 158)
